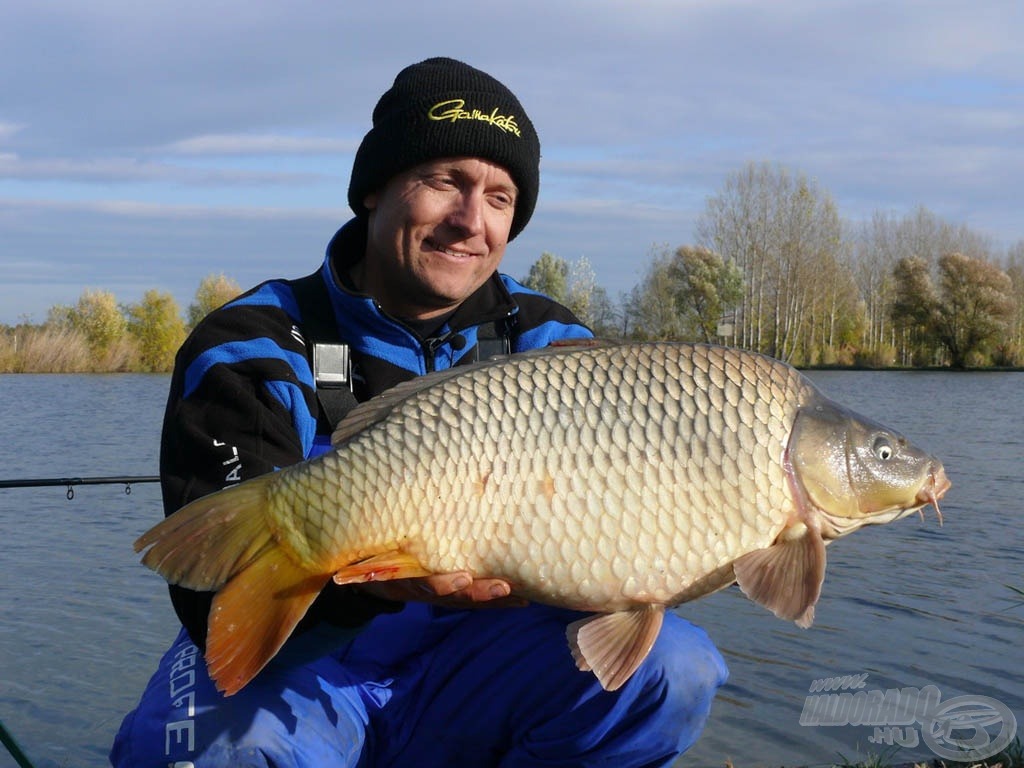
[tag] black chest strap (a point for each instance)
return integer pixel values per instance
(494, 339)
(329, 358)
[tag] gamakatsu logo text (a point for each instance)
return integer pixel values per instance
(961, 728)
(454, 109)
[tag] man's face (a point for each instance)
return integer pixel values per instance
(436, 233)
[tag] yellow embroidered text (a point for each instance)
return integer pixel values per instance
(454, 109)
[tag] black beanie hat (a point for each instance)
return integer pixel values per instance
(445, 108)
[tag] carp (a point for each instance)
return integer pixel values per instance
(617, 479)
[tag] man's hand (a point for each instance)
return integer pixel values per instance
(450, 590)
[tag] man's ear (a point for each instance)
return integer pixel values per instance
(370, 201)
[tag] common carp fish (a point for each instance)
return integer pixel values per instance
(618, 479)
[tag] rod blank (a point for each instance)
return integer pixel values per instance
(70, 482)
(66, 482)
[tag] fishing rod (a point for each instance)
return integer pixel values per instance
(70, 482)
(13, 747)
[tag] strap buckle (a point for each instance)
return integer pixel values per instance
(332, 366)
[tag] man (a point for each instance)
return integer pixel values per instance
(397, 673)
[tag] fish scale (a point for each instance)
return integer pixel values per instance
(618, 479)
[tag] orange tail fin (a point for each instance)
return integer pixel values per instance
(254, 614)
(222, 543)
(205, 543)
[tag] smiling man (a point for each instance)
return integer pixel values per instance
(435, 234)
(405, 672)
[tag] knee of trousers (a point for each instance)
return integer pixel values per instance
(657, 715)
(680, 676)
(288, 717)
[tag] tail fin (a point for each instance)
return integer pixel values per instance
(254, 614)
(222, 543)
(205, 543)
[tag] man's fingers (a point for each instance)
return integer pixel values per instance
(448, 589)
(463, 585)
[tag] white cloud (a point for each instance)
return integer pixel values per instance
(8, 130)
(266, 144)
(134, 170)
(14, 207)
(193, 135)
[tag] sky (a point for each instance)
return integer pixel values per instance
(149, 145)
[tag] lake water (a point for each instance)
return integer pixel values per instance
(910, 604)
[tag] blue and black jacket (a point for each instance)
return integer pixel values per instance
(243, 400)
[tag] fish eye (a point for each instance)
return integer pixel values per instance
(883, 449)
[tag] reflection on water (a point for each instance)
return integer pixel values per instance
(908, 604)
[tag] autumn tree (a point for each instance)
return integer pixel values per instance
(549, 275)
(964, 312)
(214, 291)
(976, 305)
(705, 286)
(914, 303)
(874, 259)
(604, 316)
(98, 319)
(155, 323)
(837, 314)
(588, 300)
(575, 286)
(650, 309)
(880, 245)
(784, 234)
(96, 316)
(580, 288)
(1011, 350)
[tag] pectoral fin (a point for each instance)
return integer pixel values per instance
(786, 577)
(613, 645)
(386, 566)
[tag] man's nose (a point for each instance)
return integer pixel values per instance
(468, 212)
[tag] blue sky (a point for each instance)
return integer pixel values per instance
(147, 145)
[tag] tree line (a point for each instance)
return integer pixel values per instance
(99, 335)
(774, 269)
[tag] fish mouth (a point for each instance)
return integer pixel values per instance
(933, 490)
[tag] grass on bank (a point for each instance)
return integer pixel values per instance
(46, 349)
(1011, 757)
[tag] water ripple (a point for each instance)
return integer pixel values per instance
(909, 604)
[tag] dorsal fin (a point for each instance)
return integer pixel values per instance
(377, 408)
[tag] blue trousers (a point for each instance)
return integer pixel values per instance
(430, 687)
